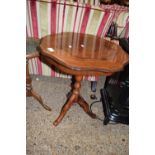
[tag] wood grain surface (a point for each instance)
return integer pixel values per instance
(83, 53)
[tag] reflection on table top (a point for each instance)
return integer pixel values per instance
(83, 51)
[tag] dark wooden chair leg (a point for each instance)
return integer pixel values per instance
(93, 89)
(31, 92)
(93, 86)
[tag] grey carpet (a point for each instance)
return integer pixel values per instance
(77, 134)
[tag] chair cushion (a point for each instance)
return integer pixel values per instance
(31, 45)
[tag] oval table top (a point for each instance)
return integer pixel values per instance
(76, 52)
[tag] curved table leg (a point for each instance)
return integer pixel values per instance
(75, 97)
(64, 109)
(83, 104)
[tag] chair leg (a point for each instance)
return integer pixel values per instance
(39, 99)
(93, 89)
(29, 89)
(93, 86)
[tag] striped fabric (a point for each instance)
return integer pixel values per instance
(121, 17)
(43, 18)
(89, 2)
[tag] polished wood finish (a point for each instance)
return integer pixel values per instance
(79, 55)
(75, 97)
(83, 53)
(29, 89)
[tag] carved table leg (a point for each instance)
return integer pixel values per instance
(75, 97)
(85, 106)
(64, 109)
(29, 90)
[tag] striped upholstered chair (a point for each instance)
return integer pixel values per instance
(45, 18)
(31, 53)
(50, 16)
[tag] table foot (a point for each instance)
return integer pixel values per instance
(64, 109)
(84, 105)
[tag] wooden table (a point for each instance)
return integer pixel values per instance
(79, 55)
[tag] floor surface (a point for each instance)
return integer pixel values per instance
(77, 134)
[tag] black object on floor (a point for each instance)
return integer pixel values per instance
(115, 94)
(93, 86)
(93, 97)
(93, 89)
(116, 104)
